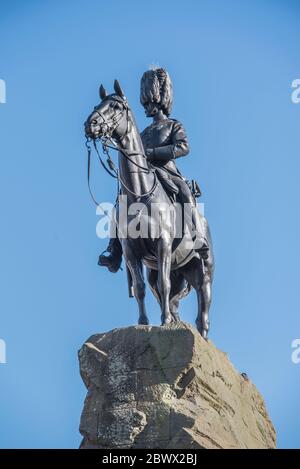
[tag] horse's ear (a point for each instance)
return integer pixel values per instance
(102, 92)
(118, 89)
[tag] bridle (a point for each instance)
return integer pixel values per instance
(106, 130)
(108, 143)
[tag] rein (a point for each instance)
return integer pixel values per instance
(110, 167)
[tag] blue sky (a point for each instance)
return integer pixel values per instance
(232, 65)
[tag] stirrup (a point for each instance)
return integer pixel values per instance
(105, 250)
(108, 264)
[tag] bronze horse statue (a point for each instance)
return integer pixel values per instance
(172, 269)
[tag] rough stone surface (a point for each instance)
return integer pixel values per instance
(166, 387)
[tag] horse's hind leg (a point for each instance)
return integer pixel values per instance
(199, 277)
(152, 276)
(174, 306)
(204, 302)
(178, 291)
(208, 266)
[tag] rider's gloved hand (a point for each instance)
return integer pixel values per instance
(150, 154)
(163, 154)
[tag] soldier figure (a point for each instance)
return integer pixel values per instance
(164, 141)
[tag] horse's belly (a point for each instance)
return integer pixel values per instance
(181, 255)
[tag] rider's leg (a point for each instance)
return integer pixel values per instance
(113, 259)
(197, 219)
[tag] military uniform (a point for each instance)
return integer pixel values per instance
(168, 140)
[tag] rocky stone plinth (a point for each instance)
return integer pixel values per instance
(166, 387)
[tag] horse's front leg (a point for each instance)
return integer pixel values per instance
(164, 281)
(139, 288)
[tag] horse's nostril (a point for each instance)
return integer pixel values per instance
(87, 130)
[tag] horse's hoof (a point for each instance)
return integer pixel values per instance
(167, 320)
(175, 317)
(203, 332)
(143, 321)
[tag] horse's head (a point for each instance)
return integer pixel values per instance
(109, 118)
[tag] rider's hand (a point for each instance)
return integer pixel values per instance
(149, 153)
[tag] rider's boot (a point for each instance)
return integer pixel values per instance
(114, 257)
(200, 242)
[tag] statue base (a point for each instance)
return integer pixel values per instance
(166, 387)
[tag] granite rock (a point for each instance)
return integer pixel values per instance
(166, 387)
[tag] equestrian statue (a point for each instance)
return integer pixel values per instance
(148, 176)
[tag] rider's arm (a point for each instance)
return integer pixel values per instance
(179, 146)
(179, 140)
